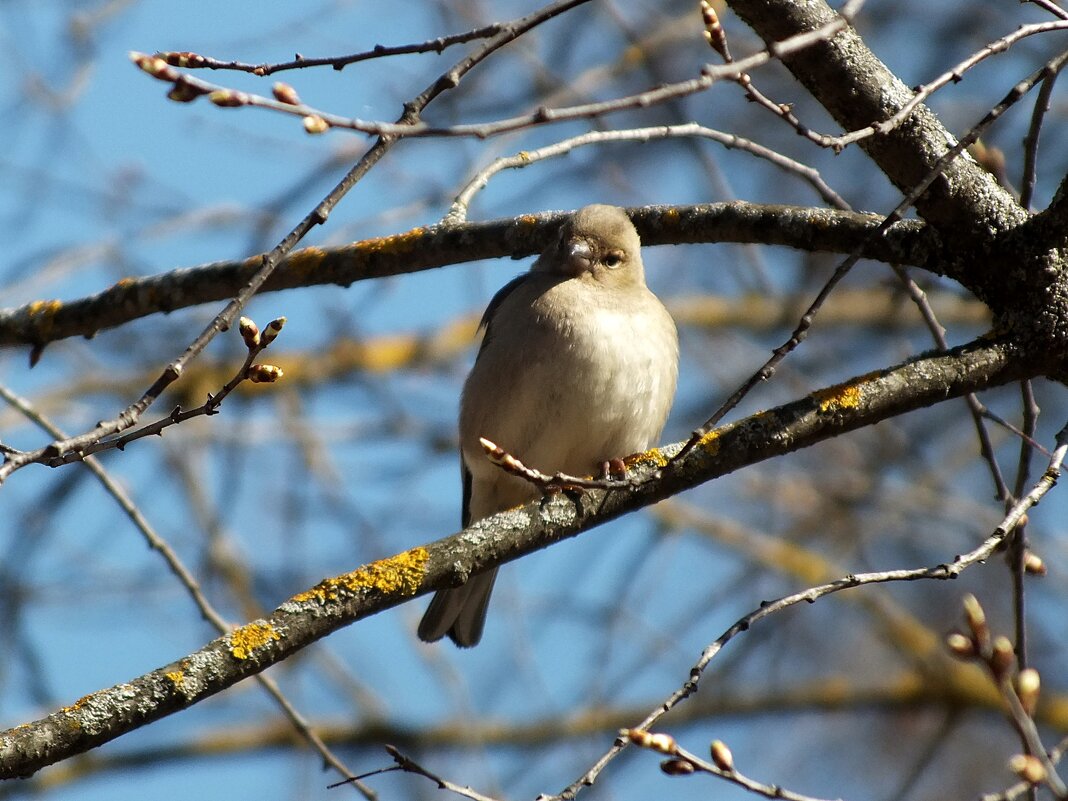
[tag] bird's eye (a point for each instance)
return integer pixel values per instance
(613, 259)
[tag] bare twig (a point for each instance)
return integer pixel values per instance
(449, 80)
(1018, 789)
(1038, 116)
(558, 481)
(1052, 7)
(953, 75)
(249, 371)
(409, 765)
(767, 370)
(944, 571)
(683, 762)
(437, 45)
(187, 87)
(458, 211)
(1018, 687)
(189, 582)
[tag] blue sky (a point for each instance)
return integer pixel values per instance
(102, 177)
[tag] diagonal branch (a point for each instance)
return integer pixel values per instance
(339, 601)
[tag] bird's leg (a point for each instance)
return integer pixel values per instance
(614, 469)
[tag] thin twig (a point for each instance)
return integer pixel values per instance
(1038, 116)
(437, 45)
(1018, 789)
(178, 415)
(458, 212)
(410, 116)
(188, 581)
(767, 370)
(187, 87)
(944, 571)
(683, 762)
(1050, 6)
(953, 75)
(409, 765)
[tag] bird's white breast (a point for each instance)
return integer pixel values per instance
(581, 380)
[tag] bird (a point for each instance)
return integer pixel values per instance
(577, 369)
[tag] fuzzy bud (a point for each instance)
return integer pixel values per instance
(664, 743)
(314, 124)
(722, 757)
(976, 618)
(272, 330)
(1033, 564)
(284, 93)
(183, 59)
(264, 373)
(1028, 768)
(156, 67)
(250, 332)
(714, 33)
(677, 767)
(1002, 657)
(228, 98)
(183, 92)
(1028, 684)
(960, 645)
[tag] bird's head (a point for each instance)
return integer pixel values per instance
(597, 243)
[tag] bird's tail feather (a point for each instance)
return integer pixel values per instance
(459, 613)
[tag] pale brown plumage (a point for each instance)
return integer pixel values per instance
(578, 367)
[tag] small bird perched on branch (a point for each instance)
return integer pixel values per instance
(577, 368)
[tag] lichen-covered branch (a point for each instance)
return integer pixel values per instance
(811, 229)
(339, 601)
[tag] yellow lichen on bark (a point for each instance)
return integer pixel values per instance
(843, 396)
(652, 456)
(245, 640)
(395, 244)
(43, 313)
(176, 677)
(709, 443)
(306, 261)
(398, 575)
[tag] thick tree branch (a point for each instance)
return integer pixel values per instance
(858, 89)
(811, 229)
(311, 615)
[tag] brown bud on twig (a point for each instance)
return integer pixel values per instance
(960, 645)
(264, 373)
(183, 92)
(1028, 684)
(1028, 768)
(182, 59)
(156, 67)
(272, 330)
(284, 93)
(250, 332)
(1033, 564)
(664, 743)
(1002, 657)
(228, 98)
(722, 757)
(714, 33)
(314, 124)
(677, 767)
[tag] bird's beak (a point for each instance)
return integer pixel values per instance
(579, 257)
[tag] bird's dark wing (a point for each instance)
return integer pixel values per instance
(502, 293)
(465, 508)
